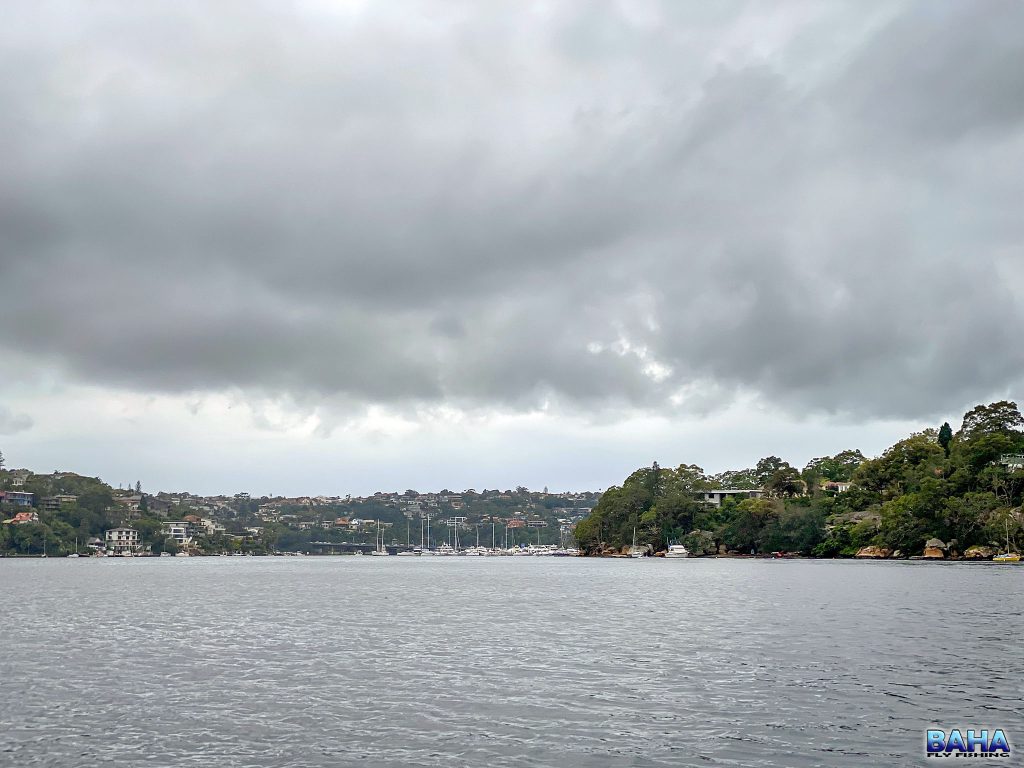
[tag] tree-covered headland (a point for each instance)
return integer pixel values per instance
(962, 488)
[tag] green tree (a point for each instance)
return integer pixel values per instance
(744, 530)
(61, 537)
(767, 467)
(838, 468)
(904, 526)
(974, 463)
(903, 466)
(1005, 482)
(150, 530)
(1000, 523)
(945, 436)
(29, 538)
(966, 516)
(655, 479)
(995, 417)
(784, 481)
(96, 500)
(798, 528)
(588, 533)
(700, 542)
(737, 478)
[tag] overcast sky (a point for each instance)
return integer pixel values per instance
(335, 247)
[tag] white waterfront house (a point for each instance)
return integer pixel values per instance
(122, 541)
(179, 530)
(719, 495)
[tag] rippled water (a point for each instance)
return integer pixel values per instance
(501, 661)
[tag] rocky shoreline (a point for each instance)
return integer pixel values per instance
(934, 549)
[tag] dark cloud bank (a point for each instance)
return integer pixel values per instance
(468, 205)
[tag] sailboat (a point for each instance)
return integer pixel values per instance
(379, 549)
(476, 551)
(635, 551)
(493, 551)
(75, 553)
(425, 547)
(410, 551)
(1007, 556)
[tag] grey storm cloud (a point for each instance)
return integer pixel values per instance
(502, 205)
(11, 422)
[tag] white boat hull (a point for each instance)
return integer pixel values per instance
(677, 551)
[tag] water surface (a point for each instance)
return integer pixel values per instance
(501, 661)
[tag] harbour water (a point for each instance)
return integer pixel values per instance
(502, 661)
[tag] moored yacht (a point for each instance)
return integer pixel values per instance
(635, 551)
(1007, 556)
(379, 549)
(676, 551)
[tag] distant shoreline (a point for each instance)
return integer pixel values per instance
(916, 559)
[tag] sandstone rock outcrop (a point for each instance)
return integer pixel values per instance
(873, 553)
(979, 552)
(934, 549)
